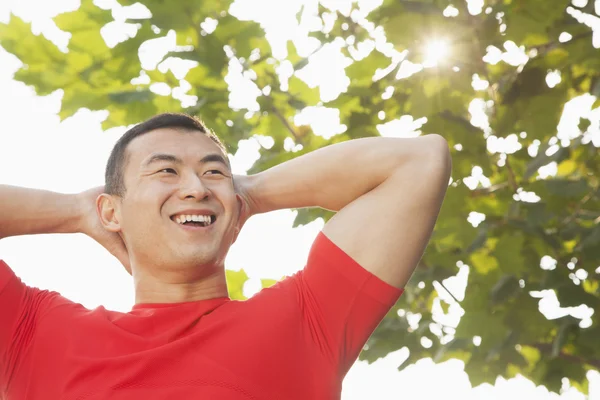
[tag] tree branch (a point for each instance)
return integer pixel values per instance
(549, 46)
(286, 123)
(511, 175)
(487, 190)
(580, 204)
(546, 349)
(448, 291)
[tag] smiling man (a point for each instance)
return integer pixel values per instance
(170, 210)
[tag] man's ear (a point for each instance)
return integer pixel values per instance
(108, 212)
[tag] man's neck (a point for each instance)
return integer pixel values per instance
(162, 287)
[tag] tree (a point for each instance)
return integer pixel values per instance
(541, 230)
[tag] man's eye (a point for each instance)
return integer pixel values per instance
(168, 170)
(213, 171)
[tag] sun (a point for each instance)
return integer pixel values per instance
(435, 52)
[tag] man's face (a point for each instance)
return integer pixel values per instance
(169, 175)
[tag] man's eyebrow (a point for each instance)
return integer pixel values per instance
(157, 157)
(214, 157)
(162, 157)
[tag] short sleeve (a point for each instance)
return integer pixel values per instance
(349, 301)
(21, 307)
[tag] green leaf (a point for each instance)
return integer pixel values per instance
(200, 77)
(84, 25)
(540, 115)
(302, 93)
(361, 72)
(530, 324)
(483, 324)
(531, 354)
(308, 215)
(571, 295)
(557, 58)
(567, 187)
(483, 262)
(238, 34)
(347, 103)
(528, 22)
(36, 53)
(584, 124)
(132, 96)
(235, 284)
(414, 29)
(508, 253)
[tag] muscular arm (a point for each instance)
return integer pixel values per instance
(30, 211)
(388, 192)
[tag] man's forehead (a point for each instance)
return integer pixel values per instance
(169, 140)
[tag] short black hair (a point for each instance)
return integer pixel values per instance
(115, 167)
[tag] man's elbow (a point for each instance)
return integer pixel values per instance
(430, 161)
(437, 158)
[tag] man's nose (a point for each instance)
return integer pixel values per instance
(193, 187)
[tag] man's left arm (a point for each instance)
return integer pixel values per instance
(387, 191)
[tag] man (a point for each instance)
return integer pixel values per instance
(169, 211)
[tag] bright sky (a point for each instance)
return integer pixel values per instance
(36, 150)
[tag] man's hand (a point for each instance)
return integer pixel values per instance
(243, 186)
(91, 226)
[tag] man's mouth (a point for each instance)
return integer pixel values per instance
(194, 220)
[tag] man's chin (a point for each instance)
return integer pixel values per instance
(198, 254)
(196, 260)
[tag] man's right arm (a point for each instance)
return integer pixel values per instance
(23, 212)
(26, 211)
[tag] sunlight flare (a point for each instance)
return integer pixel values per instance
(435, 52)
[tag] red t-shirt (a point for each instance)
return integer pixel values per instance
(294, 340)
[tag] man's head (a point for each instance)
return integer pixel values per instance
(162, 172)
(118, 158)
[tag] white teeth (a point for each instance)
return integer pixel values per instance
(205, 219)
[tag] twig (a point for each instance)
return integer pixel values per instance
(448, 291)
(511, 175)
(285, 122)
(581, 203)
(546, 47)
(488, 190)
(546, 348)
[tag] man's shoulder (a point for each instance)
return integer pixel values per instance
(36, 299)
(281, 293)
(6, 274)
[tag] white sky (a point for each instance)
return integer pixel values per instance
(38, 151)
